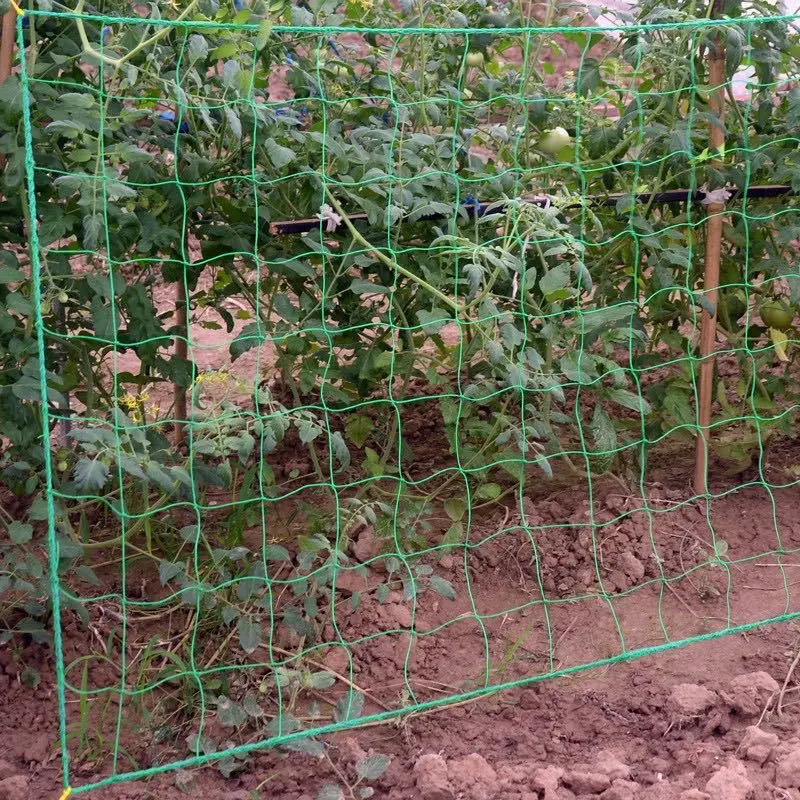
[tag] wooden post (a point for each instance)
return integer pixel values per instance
(7, 44)
(713, 251)
(181, 351)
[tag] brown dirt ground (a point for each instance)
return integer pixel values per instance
(560, 722)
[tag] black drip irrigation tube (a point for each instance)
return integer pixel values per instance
(479, 209)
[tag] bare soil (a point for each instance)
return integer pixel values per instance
(496, 631)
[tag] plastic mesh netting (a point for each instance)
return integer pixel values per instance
(433, 316)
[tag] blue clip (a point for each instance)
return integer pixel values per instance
(106, 33)
(238, 4)
(169, 116)
(335, 49)
(469, 200)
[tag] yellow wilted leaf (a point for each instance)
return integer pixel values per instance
(780, 340)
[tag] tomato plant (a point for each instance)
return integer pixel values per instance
(490, 252)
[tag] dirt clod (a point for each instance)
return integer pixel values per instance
(430, 772)
(694, 794)
(37, 749)
(400, 614)
(473, 777)
(749, 693)
(14, 788)
(546, 781)
(730, 783)
(787, 775)
(366, 546)
(586, 782)
(6, 769)
(757, 745)
(607, 763)
(631, 566)
(621, 790)
(690, 700)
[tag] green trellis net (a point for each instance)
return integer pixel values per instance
(439, 359)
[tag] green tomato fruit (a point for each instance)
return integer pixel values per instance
(777, 314)
(475, 59)
(62, 466)
(63, 297)
(554, 141)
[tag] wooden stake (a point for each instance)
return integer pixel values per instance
(7, 44)
(716, 78)
(181, 351)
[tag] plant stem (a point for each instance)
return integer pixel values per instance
(455, 306)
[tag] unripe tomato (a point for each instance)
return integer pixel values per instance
(63, 297)
(554, 141)
(777, 314)
(475, 59)
(62, 466)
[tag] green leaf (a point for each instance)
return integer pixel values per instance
(264, 32)
(321, 680)
(604, 316)
(362, 287)
(382, 592)
(249, 634)
(279, 155)
(230, 714)
(90, 475)
(589, 78)
(455, 508)
(251, 336)
(454, 534)
(198, 47)
(16, 301)
(167, 570)
(20, 532)
(553, 282)
(434, 320)
(351, 706)
(234, 123)
(603, 431)
(330, 791)
(630, 400)
(489, 491)
(251, 707)
(87, 575)
(308, 430)
(225, 51)
(358, 429)
(92, 228)
(302, 17)
(372, 767)
(276, 552)
(309, 746)
(442, 587)
(10, 275)
(103, 319)
(189, 533)
(30, 677)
